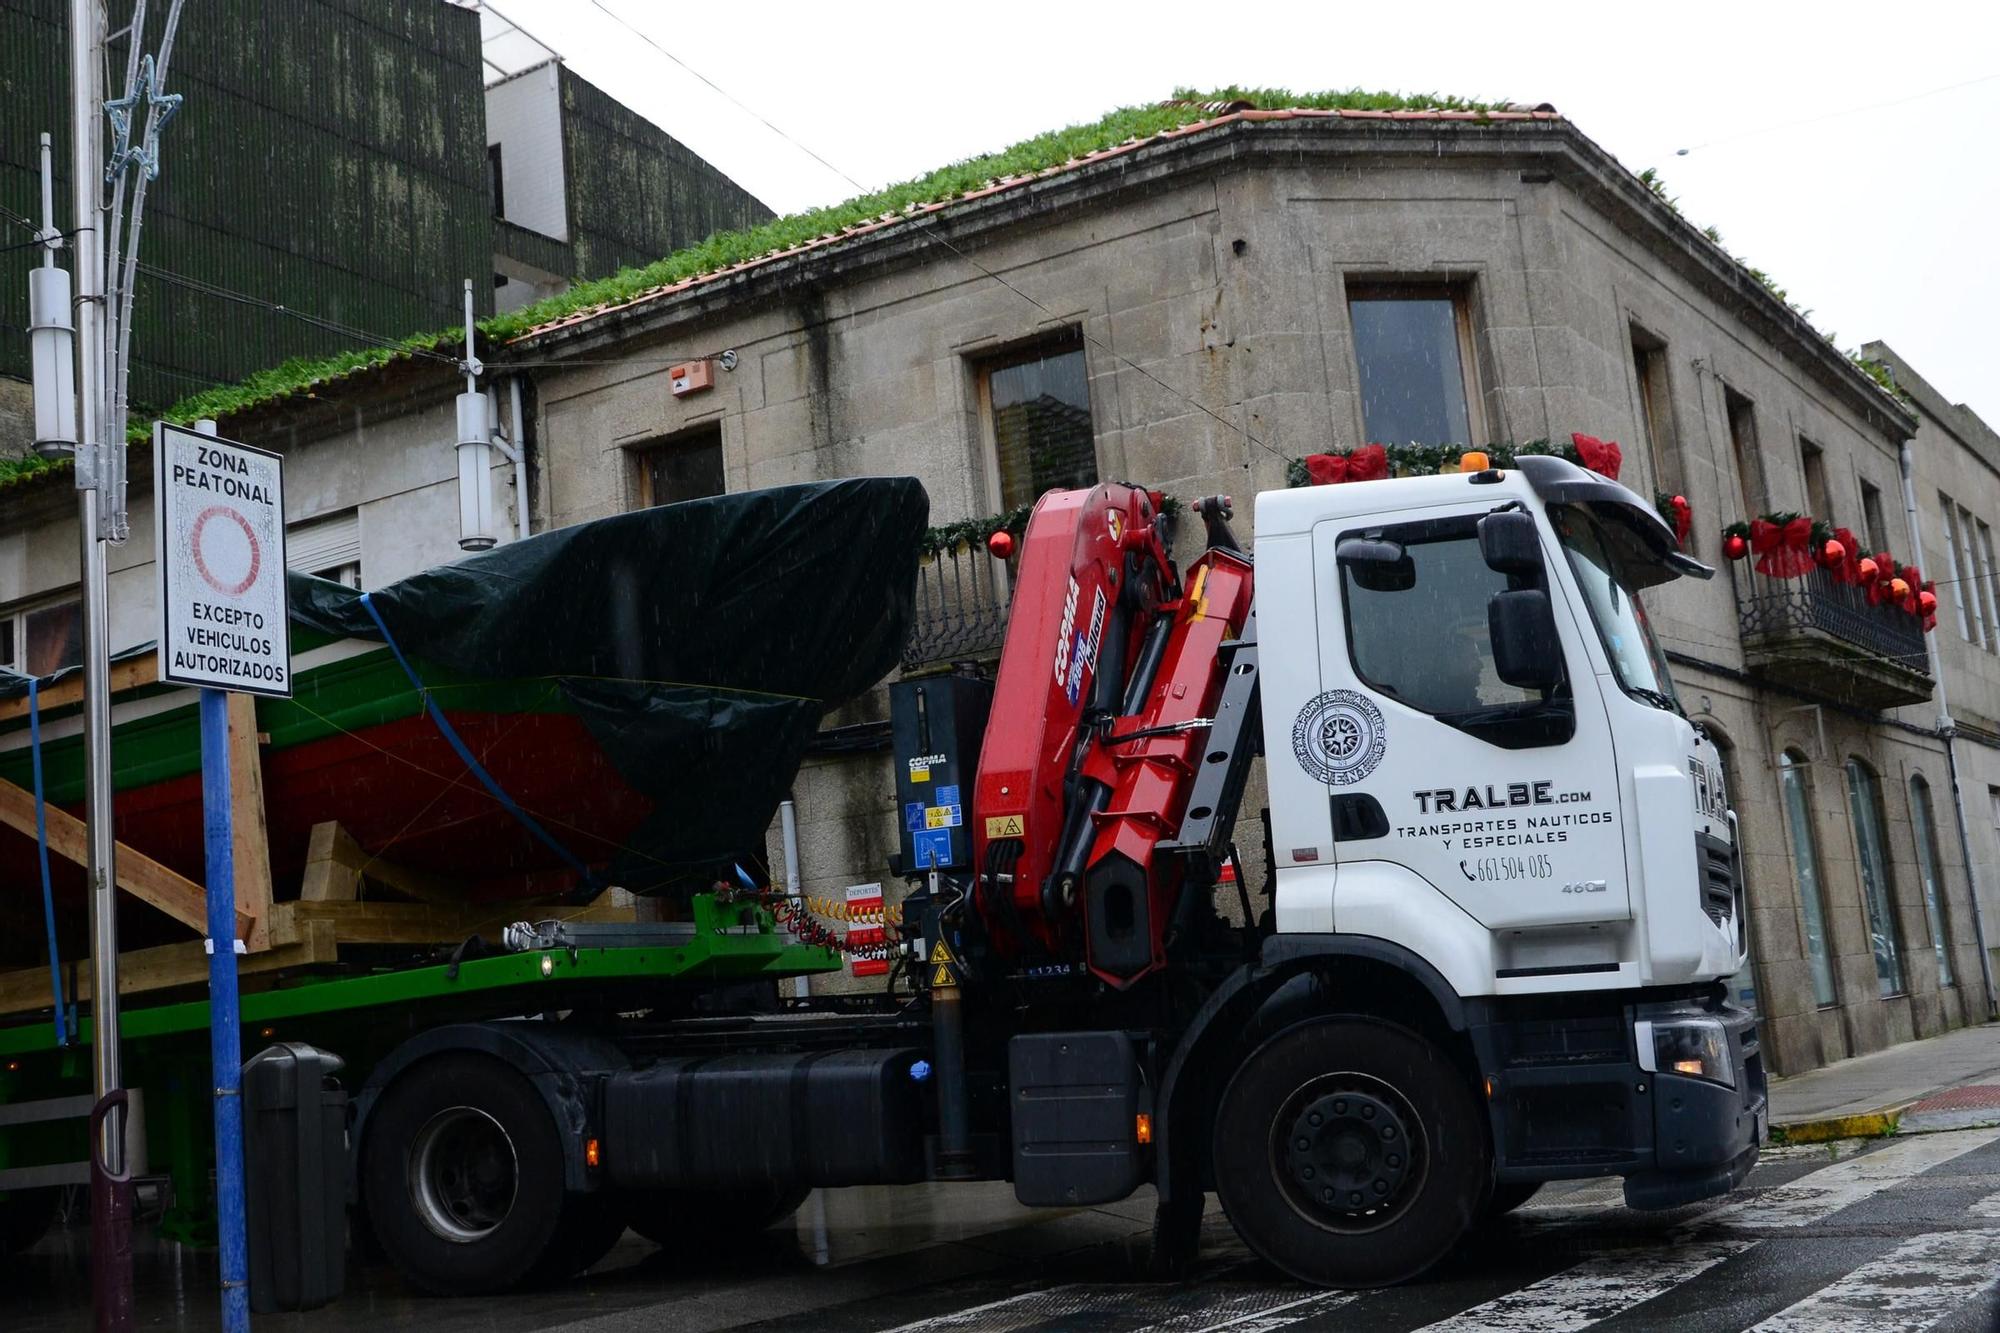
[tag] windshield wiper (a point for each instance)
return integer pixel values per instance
(1658, 698)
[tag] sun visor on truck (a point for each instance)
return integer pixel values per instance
(1559, 481)
(700, 643)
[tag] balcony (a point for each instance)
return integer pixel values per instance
(961, 606)
(1820, 636)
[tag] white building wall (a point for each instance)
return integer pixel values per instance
(524, 116)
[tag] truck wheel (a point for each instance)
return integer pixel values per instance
(1350, 1153)
(696, 1219)
(25, 1217)
(462, 1172)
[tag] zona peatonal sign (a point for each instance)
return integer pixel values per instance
(220, 540)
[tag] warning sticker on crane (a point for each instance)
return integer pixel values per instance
(1005, 826)
(944, 973)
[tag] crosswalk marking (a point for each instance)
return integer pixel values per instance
(1821, 1193)
(1596, 1289)
(1910, 1288)
(1987, 1207)
(1212, 1308)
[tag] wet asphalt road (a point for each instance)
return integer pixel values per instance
(1902, 1234)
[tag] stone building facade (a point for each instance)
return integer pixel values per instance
(1198, 309)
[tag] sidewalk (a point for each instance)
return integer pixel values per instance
(1945, 1082)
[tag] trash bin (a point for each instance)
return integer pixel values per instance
(295, 1168)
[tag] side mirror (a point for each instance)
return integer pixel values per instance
(1527, 651)
(1509, 543)
(1377, 565)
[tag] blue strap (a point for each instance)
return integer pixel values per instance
(486, 779)
(42, 848)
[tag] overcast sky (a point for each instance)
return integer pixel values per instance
(1879, 218)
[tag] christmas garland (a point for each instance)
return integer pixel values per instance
(1787, 544)
(969, 532)
(1373, 462)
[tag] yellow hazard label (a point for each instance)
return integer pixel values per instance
(940, 952)
(937, 816)
(919, 774)
(1004, 826)
(942, 979)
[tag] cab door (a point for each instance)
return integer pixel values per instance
(1501, 796)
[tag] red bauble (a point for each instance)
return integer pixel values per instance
(1927, 602)
(1898, 589)
(1868, 569)
(1000, 545)
(1831, 554)
(1734, 547)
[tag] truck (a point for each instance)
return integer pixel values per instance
(1500, 896)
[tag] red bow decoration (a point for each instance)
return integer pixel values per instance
(1326, 469)
(1785, 550)
(1683, 518)
(1603, 457)
(1849, 569)
(1370, 462)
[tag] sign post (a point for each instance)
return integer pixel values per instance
(223, 626)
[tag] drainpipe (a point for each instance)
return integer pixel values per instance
(513, 446)
(1948, 730)
(788, 834)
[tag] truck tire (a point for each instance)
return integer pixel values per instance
(25, 1217)
(462, 1173)
(684, 1219)
(1350, 1153)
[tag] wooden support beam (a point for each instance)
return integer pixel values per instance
(336, 865)
(169, 966)
(138, 874)
(127, 675)
(253, 852)
(425, 923)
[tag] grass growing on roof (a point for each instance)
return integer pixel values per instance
(724, 249)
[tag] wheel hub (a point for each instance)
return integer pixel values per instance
(1348, 1152)
(463, 1174)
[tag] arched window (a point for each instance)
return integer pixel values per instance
(1805, 860)
(1923, 823)
(1864, 801)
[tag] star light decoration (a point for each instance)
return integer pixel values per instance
(119, 111)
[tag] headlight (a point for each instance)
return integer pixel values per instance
(1690, 1047)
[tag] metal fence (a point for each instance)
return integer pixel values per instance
(961, 611)
(1818, 601)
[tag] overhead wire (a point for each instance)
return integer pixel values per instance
(208, 288)
(925, 226)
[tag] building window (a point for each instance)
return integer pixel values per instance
(687, 466)
(1923, 823)
(1805, 862)
(1743, 444)
(39, 641)
(328, 547)
(1864, 800)
(1656, 409)
(496, 178)
(1812, 465)
(1971, 588)
(1871, 513)
(1953, 548)
(1412, 353)
(1038, 409)
(1984, 584)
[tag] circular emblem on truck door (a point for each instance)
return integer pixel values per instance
(1339, 738)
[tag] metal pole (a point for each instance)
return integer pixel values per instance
(520, 443)
(1948, 729)
(225, 1026)
(110, 1226)
(788, 837)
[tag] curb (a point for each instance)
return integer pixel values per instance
(1867, 1125)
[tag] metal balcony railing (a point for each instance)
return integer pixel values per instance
(1823, 634)
(961, 606)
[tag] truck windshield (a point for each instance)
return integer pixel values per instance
(1602, 558)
